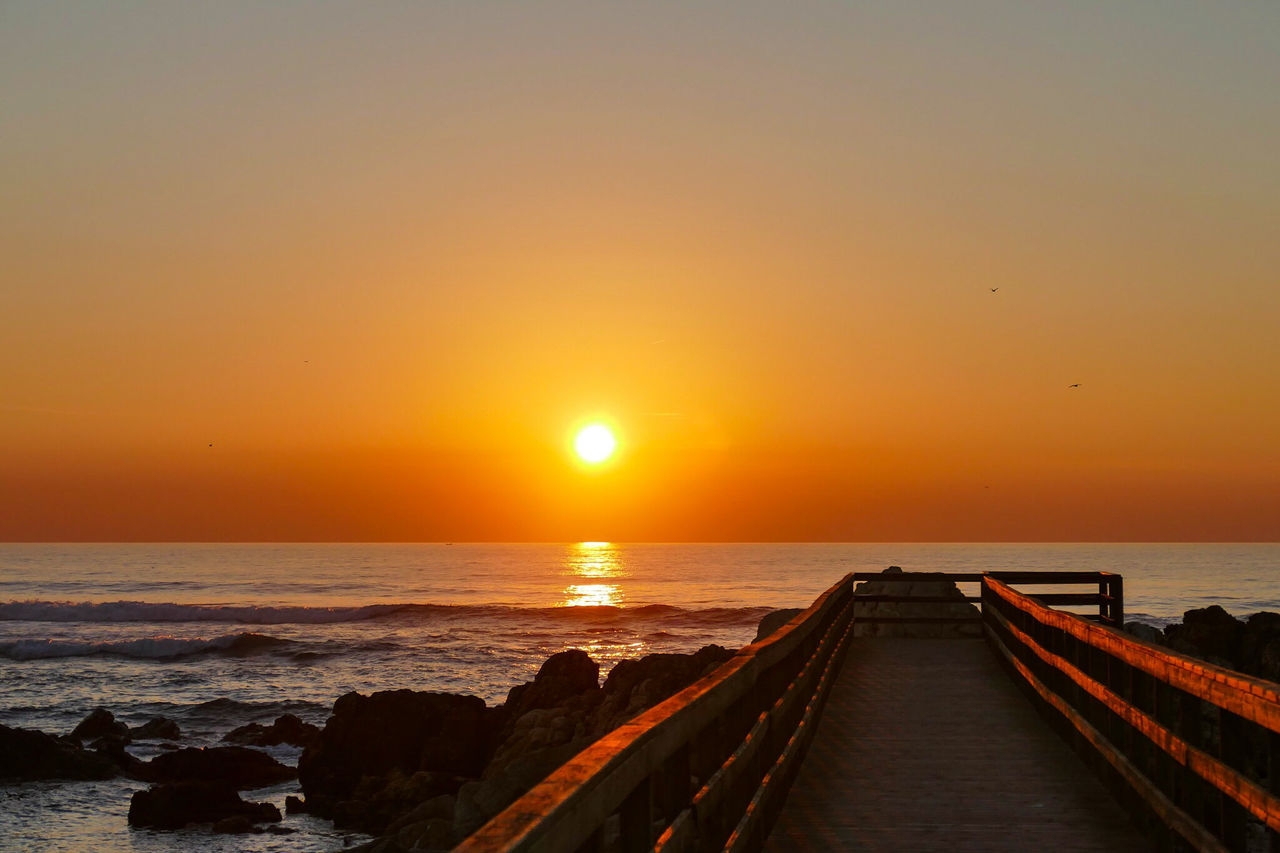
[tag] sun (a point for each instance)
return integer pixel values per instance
(594, 443)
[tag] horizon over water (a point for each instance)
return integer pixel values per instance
(215, 635)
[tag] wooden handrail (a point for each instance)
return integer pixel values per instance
(1109, 598)
(1132, 702)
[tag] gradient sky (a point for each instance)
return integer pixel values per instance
(386, 256)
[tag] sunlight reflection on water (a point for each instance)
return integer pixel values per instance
(593, 561)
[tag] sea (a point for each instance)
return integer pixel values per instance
(214, 636)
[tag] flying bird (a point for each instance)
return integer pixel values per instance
(994, 289)
(1077, 385)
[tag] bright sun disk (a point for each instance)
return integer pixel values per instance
(594, 443)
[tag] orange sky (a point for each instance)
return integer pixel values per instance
(385, 258)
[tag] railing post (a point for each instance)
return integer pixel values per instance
(1117, 601)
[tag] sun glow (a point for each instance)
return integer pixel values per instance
(594, 443)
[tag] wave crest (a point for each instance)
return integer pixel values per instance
(155, 648)
(165, 612)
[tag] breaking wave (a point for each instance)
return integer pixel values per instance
(156, 648)
(140, 611)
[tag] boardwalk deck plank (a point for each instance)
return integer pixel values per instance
(926, 745)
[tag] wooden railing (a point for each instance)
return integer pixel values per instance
(1109, 598)
(708, 768)
(705, 770)
(1191, 748)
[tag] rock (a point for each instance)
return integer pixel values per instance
(294, 805)
(234, 825)
(436, 808)
(400, 731)
(26, 754)
(1259, 652)
(432, 834)
(236, 766)
(562, 677)
(1146, 633)
(379, 801)
(890, 609)
(774, 620)
(99, 723)
(478, 801)
(637, 685)
(157, 728)
(113, 747)
(286, 729)
(1210, 633)
(174, 805)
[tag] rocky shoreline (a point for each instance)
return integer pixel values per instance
(419, 769)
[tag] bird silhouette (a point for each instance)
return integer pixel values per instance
(1077, 385)
(994, 289)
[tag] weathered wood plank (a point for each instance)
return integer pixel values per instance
(928, 745)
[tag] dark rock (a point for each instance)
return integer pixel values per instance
(26, 754)
(960, 609)
(478, 801)
(99, 723)
(113, 747)
(379, 801)
(174, 805)
(399, 731)
(774, 620)
(1210, 633)
(1146, 633)
(234, 825)
(286, 729)
(157, 728)
(236, 766)
(294, 805)
(563, 676)
(280, 830)
(1260, 646)
(637, 685)
(436, 808)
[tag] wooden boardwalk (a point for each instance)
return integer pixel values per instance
(927, 745)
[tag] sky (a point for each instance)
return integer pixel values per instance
(357, 271)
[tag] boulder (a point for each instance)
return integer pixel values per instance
(1210, 633)
(174, 805)
(26, 754)
(562, 677)
(1259, 652)
(774, 620)
(637, 685)
(99, 723)
(113, 747)
(960, 609)
(157, 728)
(480, 800)
(236, 766)
(234, 825)
(286, 729)
(379, 801)
(400, 731)
(1146, 633)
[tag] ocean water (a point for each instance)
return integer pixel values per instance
(215, 636)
